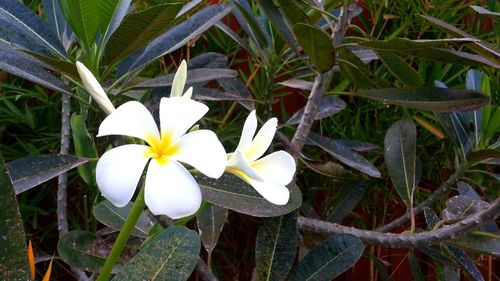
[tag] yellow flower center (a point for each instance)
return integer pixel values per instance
(161, 149)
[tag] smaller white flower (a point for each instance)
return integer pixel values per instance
(94, 88)
(269, 175)
(179, 82)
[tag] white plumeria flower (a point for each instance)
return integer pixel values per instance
(268, 175)
(169, 188)
(94, 88)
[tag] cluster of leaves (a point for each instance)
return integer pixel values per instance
(290, 48)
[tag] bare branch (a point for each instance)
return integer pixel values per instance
(204, 271)
(62, 220)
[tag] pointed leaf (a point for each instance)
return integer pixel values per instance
(332, 257)
(31, 171)
(466, 262)
(114, 217)
(170, 255)
(275, 247)
(13, 254)
(122, 10)
(317, 45)
(211, 220)
(402, 44)
(56, 20)
(249, 23)
(329, 169)
(484, 11)
(454, 57)
(199, 75)
(432, 99)
(479, 242)
(460, 206)
(400, 158)
(84, 18)
(328, 106)
(400, 69)
(231, 192)
(356, 71)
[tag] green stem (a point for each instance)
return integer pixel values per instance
(121, 241)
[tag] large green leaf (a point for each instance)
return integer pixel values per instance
(114, 217)
(84, 147)
(211, 220)
(401, 159)
(31, 171)
(138, 29)
(231, 192)
(83, 249)
(432, 99)
(13, 261)
(108, 8)
(317, 45)
(84, 17)
(171, 255)
(332, 257)
(400, 69)
(20, 20)
(275, 247)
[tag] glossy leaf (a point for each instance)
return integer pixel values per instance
(346, 201)
(328, 106)
(275, 247)
(432, 99)
(83, 249)
(199, 75)
(484, 11)
(317, 45)
(460, 206)
(138, 29)
(13, 254)
(466, 262)
(400, 69)
(56, 21)
(84, 147)
(344, 154)
(328, 260)
(400, 158)
(231, 192)
(211, 220)
(114, 217)
(170, 255)
(31, 171)
(29, 25)
(84, 18)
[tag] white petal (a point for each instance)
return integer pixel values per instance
(179, 114)
(188, 94)
(130, 119)
(171, 190)
(262, 140)
(118, 171)
(273, 192)
(179, 80)
(248, 132)
(238, 165)
(278, 166)
(202, 150)
(94, 88)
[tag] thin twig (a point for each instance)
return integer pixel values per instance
(403, 240)
(204, 271)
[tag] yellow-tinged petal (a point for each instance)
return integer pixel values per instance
(273, 192)
(278, 167)
(262, 140)
(239, 166)
(178, 114)
(249, 128)
(179, 80)
(202, 150)
(31, 259)
(94, 88)
(130, 119)
(46, 277)
(171, 190)
(119, 170)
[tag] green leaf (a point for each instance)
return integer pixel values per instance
(467, 263)
(452, 56)
(481, 155)
(317, 45)
(13, 255)
(329, 169)
(21, 20)
(210, 223)
(138, 29)
(400, 158)
(108, 8)
(346, 201)
(249, 23)
(432, 99)
(171, 255)
(83, 249)
(114, 217)
(480, 243)
(275, 247)
(459, 207)
(61, 66)
(294, 12)
(357, 72)
(415, 268)
(400, 69)
(402, 44)
(84, 17)
(199, 75)
(233, 193)
(328, 260)
(56, 20)
(84, 147)
(31, 171)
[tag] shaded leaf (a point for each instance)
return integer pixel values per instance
(231, 192)
(275, 247)
(13, 254)
(332, 257)
(345, 201)
(249, 23)
(466, 262)
(329, 169)
(415, 268)
(294, 12)
(455, 57)
(83, 249)
(199, 75)
(108, 214)
(56, 21)
(170, 255)
(400, 158)
(432, 99)
(328, 106)
(403, 44)
(400, 69)
(355, 70)
(317, 45)
(297, 84)
(460, 206)
(480, 243)
(84, 147)
(31, 171)
(482, 155)
(210, 223)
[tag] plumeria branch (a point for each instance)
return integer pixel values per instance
(204, 271)
(402, 240)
